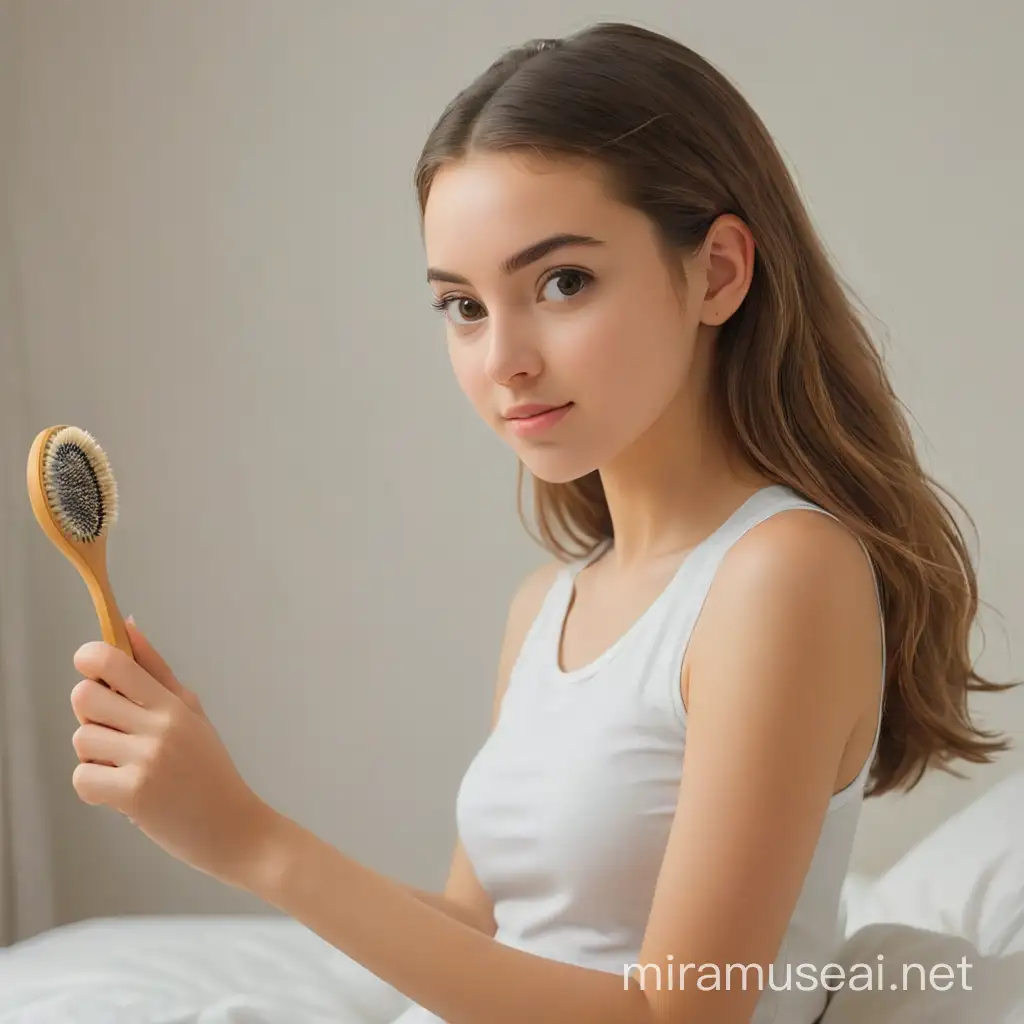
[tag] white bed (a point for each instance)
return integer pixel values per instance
(959, 893)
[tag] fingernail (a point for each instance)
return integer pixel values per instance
(131, 619)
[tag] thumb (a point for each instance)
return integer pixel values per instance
(147, 657)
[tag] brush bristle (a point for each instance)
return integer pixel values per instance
(79, 484)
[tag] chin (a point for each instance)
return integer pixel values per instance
(555, 466)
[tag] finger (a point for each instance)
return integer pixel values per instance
(147, 656)
(105, 746)
(94, 702)
(104, 662)
(102, 784)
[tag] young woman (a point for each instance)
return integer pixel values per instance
(759, 611)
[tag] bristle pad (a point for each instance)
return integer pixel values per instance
(79, 484)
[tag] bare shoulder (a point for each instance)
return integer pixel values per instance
(795, 588)
(800, 550)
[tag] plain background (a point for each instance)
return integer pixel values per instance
(216, 268)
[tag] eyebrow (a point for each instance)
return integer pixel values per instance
(523, 258)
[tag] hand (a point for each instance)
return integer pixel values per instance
(149, 751)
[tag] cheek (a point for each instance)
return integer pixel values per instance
(632, 364)
(468, 366)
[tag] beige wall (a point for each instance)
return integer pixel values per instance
(220, 275)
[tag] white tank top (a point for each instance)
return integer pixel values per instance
(565, 810)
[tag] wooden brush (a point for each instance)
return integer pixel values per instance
(74, 499)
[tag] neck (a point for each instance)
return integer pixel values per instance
(675, 485)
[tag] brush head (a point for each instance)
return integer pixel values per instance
(79, 485)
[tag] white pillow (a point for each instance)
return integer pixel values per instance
(965, 879)
(923, 977)
(940, 934)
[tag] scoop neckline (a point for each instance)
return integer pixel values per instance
(571, 572)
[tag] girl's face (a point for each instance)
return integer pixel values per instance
(558, 297)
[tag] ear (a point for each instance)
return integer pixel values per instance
(728, 258)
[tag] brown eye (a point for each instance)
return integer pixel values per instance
(568, 284)
(468, 309)
(459, 309)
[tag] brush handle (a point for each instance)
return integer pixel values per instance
(111, 621)
(91, 562)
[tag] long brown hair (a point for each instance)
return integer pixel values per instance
(802, 388)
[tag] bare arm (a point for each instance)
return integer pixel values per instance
(463, 897)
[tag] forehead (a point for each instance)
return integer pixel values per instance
(486, 206)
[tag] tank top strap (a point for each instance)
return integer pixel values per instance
(692, 583)
(698, 569)
(545, 631)
(573, 568)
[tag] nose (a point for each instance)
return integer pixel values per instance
(511, 352)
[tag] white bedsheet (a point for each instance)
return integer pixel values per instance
(188, 970)
(254, 970)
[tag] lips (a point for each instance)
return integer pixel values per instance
(533, 421)
(523, 412)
